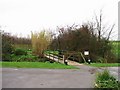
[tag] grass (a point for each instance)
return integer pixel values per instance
(36, 65)
(105, 64)
(0, 64)
(105, 80)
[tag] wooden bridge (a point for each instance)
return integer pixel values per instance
(61, 59)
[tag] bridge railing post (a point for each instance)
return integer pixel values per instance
(63, 58)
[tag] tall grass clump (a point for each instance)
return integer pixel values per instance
(40, 42)
(105, 80)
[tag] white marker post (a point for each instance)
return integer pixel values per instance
(86, 53)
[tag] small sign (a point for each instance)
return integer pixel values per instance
(86, 52)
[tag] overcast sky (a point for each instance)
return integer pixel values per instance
(22, 16)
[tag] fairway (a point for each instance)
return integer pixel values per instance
(36, 65)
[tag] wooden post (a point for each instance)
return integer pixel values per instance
(58, 58)
(53, 57)
(49, 55)
(83, 58)
(64, 58)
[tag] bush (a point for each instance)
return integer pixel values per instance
(43, 60)
(7, 47)
(100, 60)
(20, 52)
(6, 57)
(28, 58)
(105, 80)
(21, 58)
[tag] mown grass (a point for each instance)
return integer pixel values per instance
(0, 64)
(105, 64)
(36, 65)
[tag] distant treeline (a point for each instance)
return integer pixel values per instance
(17, 42)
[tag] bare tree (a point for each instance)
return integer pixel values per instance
(102, 30)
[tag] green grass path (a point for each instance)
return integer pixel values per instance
(105, 64)
(36, 65)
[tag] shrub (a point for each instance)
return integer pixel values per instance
(22, 58)
(43, 60)
(103, 76)
(7, 47)
(6, 57)
(100, 60)
(20, 52)
(28, 58)
(105, 80)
